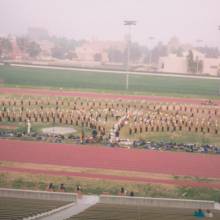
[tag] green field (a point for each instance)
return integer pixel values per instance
(108, 82)
(96, 186)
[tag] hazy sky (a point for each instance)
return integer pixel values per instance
(189, 20)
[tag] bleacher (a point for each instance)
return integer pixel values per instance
(24, 204)
(17, 208)
(130, 212)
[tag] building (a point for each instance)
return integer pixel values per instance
(173, 64)
(179, 64)
(94, 51)
(46, 47)
(211, 66)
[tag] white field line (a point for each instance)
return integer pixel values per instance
(115, 71)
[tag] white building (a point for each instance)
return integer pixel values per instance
(174, 64)
(211, 66)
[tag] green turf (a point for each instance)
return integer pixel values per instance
(75, 79)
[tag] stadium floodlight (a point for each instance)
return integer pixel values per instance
(129, 23)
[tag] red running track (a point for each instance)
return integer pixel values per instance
(47, 92)
(112, 177)
(174, 163)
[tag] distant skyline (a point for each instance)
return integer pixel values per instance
(189, 20)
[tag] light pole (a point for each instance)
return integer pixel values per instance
(128, 23)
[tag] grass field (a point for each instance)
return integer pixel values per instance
(91, 80)
(176, 137)
(92, 186)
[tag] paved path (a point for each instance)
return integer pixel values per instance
(82, 204)
(217, 206)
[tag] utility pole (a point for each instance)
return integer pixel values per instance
(128, 23)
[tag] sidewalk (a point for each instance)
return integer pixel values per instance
(82, 204)
(217, 206)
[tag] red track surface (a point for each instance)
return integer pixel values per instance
(108, 158)
(47, 92)
(112, 177)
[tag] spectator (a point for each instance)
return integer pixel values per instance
(82, 137)
(131, 193)
(122, 191)
(78, 188)
(199, 213)
(208, 214)
(94, 133)
(79, 191)
(50, 187)
(62, 187)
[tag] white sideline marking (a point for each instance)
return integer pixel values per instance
(117, 71)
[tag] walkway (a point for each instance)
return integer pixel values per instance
(217, 206)
(82, 204)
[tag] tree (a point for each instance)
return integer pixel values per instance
(210, 52)
(115, 55)
(33, 49)
(58, 52)
(30, 47)
(179, 52)
(191, 68)
(98, 57)
(158, 51)
(71, 55)
(64, 48)
(200, 66)
(135, 52)
(22, 43)
(194, 66)
(5, 47)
